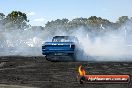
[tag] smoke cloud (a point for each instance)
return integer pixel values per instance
(114, 45)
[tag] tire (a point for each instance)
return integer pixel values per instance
(72, 56)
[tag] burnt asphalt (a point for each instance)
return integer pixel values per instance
(37, 72)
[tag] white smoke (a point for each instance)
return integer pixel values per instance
(22, 42)
(114, 45)
(111, 46)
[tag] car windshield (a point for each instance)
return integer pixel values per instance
(64, 39)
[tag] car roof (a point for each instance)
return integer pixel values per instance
(64, 37)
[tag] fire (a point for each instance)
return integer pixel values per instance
(81, 71)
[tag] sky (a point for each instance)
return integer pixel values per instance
(41, 11)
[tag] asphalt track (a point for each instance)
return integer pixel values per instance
(36, 72)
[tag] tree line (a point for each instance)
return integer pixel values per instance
(19, 20)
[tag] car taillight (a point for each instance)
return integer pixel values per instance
(73, 46)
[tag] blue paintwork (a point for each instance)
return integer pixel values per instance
(58, 47)
(64, 43)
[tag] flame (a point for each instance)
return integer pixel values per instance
(81, 71)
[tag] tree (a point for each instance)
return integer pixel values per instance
(57, 24)
(2, 16)
(16, 19)
(122, 19)
(98, 20)
(78, 22)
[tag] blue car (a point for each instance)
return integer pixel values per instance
(62, 48)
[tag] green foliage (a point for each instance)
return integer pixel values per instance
(16, 16)
(77, 22)
(16, 19)
(58, 24)
(96, 21)
(2, 16)
(122, 19)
